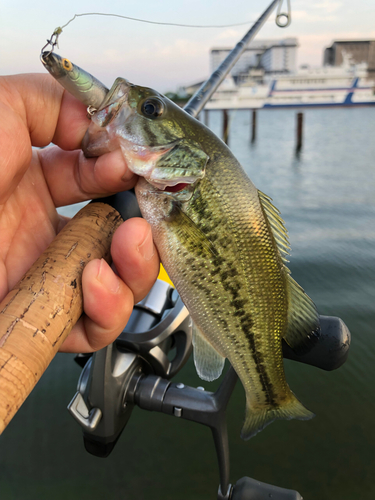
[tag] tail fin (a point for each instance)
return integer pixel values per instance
(257, 420)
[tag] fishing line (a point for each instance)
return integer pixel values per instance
(156, 22)
(55, 35)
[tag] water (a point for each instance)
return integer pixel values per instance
(326, 197)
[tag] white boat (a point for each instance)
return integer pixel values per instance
(346, 85)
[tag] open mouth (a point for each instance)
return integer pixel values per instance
(176, 190)
(176, 187)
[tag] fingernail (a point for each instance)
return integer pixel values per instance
(146, 248)
(107, 278)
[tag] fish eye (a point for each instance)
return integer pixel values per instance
(67, 64)
(152, 108)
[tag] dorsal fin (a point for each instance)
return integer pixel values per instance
(277, 225)
(303, 323)
(303, 329)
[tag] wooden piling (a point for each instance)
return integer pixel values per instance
(225, 126)
(299, 132)
(254, 126)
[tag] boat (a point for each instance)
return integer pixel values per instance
(345, 85)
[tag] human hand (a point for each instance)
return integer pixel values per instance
(35, 111)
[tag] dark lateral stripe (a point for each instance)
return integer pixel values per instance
(266, 384)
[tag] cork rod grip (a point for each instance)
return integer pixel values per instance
(39, 313)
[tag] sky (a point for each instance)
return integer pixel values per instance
(166, 57)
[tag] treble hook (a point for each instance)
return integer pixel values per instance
(281, 15)
(53, 42)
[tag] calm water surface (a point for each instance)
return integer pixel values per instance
(326, 196)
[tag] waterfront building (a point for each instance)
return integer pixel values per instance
(262, 56)
(359, 51)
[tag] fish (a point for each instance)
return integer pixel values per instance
(222, 242)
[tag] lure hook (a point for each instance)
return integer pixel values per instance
(283, 19)
(91, 110)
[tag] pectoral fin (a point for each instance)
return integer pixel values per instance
(208, 362)
(196, 238)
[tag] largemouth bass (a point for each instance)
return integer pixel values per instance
(221, 241)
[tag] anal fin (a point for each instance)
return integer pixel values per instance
(208, 362)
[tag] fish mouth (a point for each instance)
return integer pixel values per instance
(171, 187)
(176, 191)
(180, 191)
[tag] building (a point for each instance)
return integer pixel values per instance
(359, 51)
(271, 56)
